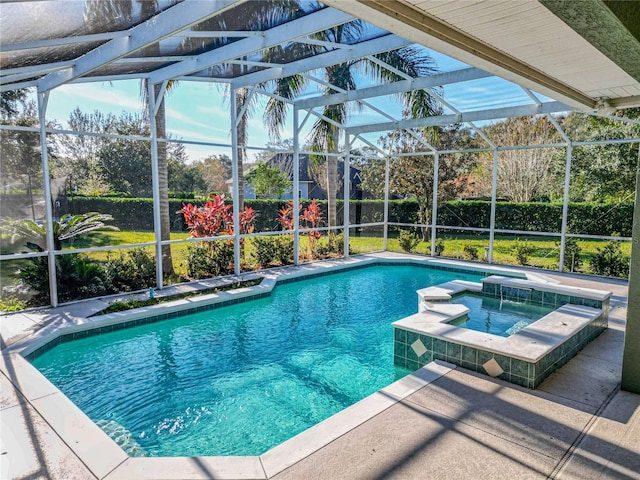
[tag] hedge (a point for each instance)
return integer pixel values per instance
(585, 218)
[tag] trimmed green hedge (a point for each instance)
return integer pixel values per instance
(585, 218)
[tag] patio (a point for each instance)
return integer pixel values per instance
(456, 424)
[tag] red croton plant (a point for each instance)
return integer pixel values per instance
(215, 217)
(310, 218)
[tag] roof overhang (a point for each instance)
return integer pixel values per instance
(585, 54)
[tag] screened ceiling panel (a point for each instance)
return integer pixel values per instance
(241, 42)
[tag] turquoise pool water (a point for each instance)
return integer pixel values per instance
(490, 315)
(240, 379)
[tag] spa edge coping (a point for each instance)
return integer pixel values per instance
(530, 344)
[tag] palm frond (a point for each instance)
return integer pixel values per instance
(414, 62)
(275, 113)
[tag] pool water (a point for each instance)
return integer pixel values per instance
(491, 315)
(240, 379)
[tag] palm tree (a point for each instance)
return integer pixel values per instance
(69, 226)
(257, 16)
(116, 11)
(325, 135)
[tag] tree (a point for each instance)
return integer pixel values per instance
(412, 61)
(215, 171)
(10, 102)
(524, 175)
(372, 171)
(603, 172)
(79, 153)
(125, 164)
(269, 182)
(411, 177)
(184, 177)
(20, 151)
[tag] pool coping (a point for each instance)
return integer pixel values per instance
(106, 459)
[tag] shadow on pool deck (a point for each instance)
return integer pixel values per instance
(576, 425)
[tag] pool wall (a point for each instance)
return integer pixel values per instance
(48, 338)
(525, 358)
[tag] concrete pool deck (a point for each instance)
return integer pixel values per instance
(457, 424)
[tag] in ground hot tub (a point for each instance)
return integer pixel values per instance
(553, 324)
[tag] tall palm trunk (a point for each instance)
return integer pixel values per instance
(241, 98)
(332, 182)
(163, 185)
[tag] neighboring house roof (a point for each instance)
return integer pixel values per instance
(284, 162)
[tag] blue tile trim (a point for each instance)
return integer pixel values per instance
(519, 372)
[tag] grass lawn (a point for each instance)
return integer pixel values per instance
(545, 252)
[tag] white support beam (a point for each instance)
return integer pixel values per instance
(327, 119)
(165, 24)
(314, 22)
(436, 80)
(29, 73)
(155, 182)
(346, 191)
(476, 116)
(381, 44)
(43, 100)
(434, 203)
(158, 100)
(54, 42)
(245, 106)
(235, 174)
(165, 58)
(37, 69)
(218, 33)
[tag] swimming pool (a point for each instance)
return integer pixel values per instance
(240, 379)
(496, 316)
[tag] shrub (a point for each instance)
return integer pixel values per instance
(522, 251)
(408, 240)
(470, 252)
(333, 247)
(274, 250)
(610, 261)
(133, 270)
(572, 254)
(439, 247)
(77, 277)
(209, 259)
(12, 304)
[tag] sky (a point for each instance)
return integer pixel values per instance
(199, 112)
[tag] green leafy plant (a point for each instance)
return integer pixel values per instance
(12, 304)
(439, 247)
(133, 270)
(522, 251)
(77, 277)
(209, 259)
(408, 240)
(572, 254)
(470, 252)
(68, 227)
(273, 250)
(122, 305)
(610, 261)
(268, 182)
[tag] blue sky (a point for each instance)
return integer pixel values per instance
(198, 111)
